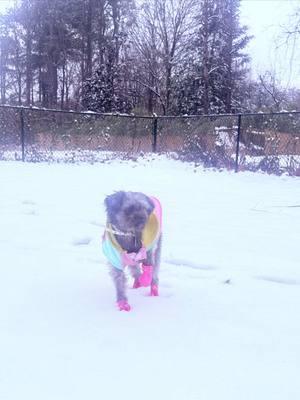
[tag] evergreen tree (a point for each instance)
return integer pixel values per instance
(215, 65)
(233, 62)
(106, 91)
(109, 89)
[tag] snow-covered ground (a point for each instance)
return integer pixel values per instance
(226, 324)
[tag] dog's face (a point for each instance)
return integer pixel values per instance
(129, 211)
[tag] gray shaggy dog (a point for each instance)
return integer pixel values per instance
(133, 238)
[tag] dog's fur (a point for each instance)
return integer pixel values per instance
(128, 213)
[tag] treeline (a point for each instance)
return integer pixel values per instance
(156, 56)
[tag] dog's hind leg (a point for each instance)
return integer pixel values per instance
(156, 255)
(119, 280)
(136, 272)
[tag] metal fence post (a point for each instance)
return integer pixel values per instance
(154, 134)
(238, 138)
(22, 134)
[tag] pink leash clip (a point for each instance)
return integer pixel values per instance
(132, 259)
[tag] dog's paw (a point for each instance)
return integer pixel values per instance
(154, 290)
(123, 305)
(145, 278)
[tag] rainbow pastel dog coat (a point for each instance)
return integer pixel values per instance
(118, 257)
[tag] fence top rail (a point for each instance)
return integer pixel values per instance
(230, 115)
(92, 113)
(87, 113)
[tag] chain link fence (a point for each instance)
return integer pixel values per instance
(271, 143)
(10, 133)
(255, 142)
(35, 135)
(207, 140)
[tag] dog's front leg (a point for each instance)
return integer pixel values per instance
(119, 280)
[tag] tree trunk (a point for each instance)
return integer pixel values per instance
(102, 28)
(168, 86)
(3, 72)
(89, 47)
(116, 28)
(205, 60)
(53, 84)
(62, 98)
(28, 53)
(28, 68)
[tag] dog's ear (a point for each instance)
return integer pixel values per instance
(114, 202)
(150, 205)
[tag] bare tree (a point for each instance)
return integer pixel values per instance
(293, 29)
(288, 39)
(4, 55)
(275, 96)
(163, 29)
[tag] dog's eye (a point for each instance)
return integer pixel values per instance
(129, 210)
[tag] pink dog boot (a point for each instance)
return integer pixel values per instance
(123, 305)
(154, 290)
(146, 277)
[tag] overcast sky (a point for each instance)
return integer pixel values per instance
(5, 3)
(264, 18)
